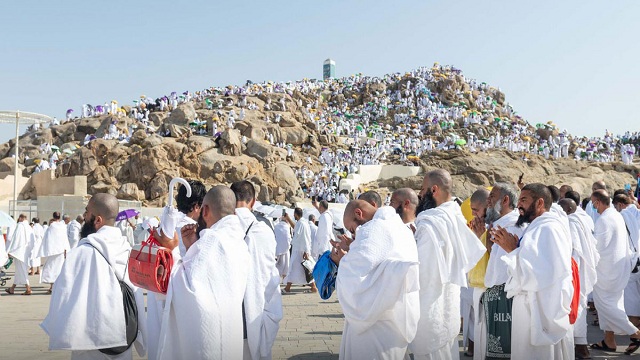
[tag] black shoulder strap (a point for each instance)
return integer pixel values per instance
(244, 316)
(108, 263)
(630, 239)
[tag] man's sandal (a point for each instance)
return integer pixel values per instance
(635, 344)
(602, 346)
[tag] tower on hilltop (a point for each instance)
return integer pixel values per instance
(328, 69)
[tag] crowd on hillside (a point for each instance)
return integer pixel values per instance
(380, 119)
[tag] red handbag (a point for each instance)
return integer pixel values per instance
(150, 265)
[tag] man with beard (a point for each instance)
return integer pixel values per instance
(493, 309)
(55, 245)
(540, 279)
(478, 203)
(447, 250)
(405, 201)
(377, 284)
(586, 257)
(203, 314)
(88, 285)
(613, 272)
(18, 248)
(188, 213)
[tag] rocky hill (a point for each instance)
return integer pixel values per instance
(141, 167)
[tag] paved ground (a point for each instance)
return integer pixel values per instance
(311, 328)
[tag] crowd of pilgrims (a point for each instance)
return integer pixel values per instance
(518, 273)
(407, 115)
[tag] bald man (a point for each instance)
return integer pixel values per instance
(372, 197)
(88, 284)
(447, 250)
(586, 257)
(207, 286)
(377, 284)
(405, 201)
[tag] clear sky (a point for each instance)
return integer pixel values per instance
(576, 63)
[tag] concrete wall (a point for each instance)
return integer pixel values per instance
(370, 173)
(6, 186)
(46, 183)
(68, 204)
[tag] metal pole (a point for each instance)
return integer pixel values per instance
(15, 170)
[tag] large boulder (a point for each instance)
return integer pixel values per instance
(138, 137)
(151, 141)
(182, 115)
(130, 191)
(265, 152)
(82, 162)
(64, 133)
(230, 143)
(7, 165)
(158, 117)
(287, 183)
(198, 144)
(88, 125)
(295, 135)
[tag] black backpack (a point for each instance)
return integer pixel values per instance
(130, 312)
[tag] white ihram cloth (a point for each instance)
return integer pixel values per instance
(496, 268)
(282, 232)
(447, 250)
(73, 233)
(262, 297)
(35, 260)
(613, 271)
(86, 286)
(540, 284)
(323, 235)
(562, 216)
(314, 231)
(377, 287)
(496, 274)
(18, 248)
(631, 217)
(203, 311)
(156, 301)
(586, 256)
(300, 245)
(54, 245)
